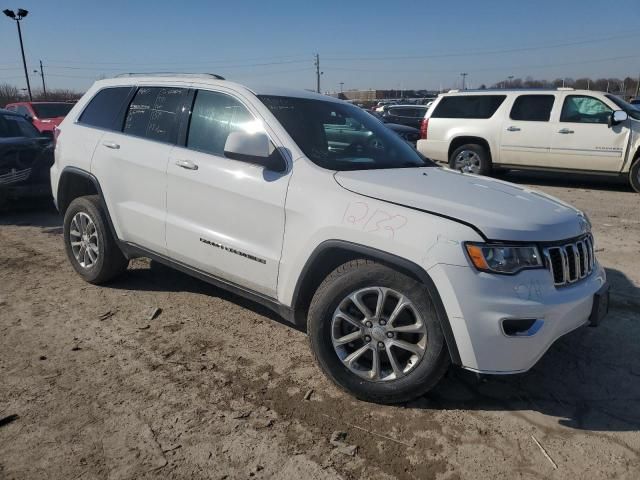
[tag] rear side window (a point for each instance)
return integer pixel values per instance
(154, 113)
(16, 126)
(103, 109)
(214, 117)
(532, 108)
(584, 109)
(468, 106)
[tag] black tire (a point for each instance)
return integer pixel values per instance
(348, 278)
(484, 158)
(110, 261)
(634, 175)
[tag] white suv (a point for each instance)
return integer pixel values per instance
(309, 205)
(561, 130)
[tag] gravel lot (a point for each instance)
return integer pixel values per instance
(215, 386)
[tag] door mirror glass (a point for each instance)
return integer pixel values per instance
(617, 117)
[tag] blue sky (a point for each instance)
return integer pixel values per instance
(365, 44)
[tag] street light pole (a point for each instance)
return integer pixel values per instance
(17, 17)
(44, 87)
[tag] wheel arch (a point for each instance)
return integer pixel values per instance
(457, 142)
(332, 253)
(76, 182)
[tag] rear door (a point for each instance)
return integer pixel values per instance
(132, 164)
(582, 139)
(526, 133)
(225, 217)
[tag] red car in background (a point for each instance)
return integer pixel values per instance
(45, 116)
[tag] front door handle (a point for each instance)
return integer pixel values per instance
(513, 129)
(565, 131)
(188, 164)
(112, 145)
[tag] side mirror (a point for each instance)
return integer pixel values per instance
(617, 117)
(253, 148)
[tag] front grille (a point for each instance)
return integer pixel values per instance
(571, 262)
(14, 176)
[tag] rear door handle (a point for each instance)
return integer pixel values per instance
(513, 129)
(188, 164)
(112, 145)
(565, 131)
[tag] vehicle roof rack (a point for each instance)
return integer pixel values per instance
(527, 89)
(170, 74)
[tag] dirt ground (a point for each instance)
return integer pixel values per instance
(215, 386)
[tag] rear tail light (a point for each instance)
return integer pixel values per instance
(423, 128)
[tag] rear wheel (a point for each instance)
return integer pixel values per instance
(88, 241)
(375, 333)
(634, 175)
(471, 158)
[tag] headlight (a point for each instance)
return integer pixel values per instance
(499, 258)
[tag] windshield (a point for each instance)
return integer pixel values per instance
(51, 110)
(13, 126)
(632, 110)
(339, 136)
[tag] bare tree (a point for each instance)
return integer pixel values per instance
(8, 94)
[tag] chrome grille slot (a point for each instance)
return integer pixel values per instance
(570, 262)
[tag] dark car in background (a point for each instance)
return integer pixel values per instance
(26, 155)
(45, 116)
(410, 134)
(410, 115)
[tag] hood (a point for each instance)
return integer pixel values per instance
(500, 210)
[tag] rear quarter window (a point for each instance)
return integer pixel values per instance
(468, 106)
(104, 109)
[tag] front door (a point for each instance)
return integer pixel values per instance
(224, 217)
(582, 139)
(526, 135)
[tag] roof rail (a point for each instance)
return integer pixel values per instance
(171, 74)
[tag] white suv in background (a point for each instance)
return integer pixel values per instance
(306, 204)
(562, 130)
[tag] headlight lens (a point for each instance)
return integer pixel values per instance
(499, 258)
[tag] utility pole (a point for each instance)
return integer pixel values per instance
(638, 88)
(318, 73)
(341, 85)
(44, 87)
(464, 77)
(17, 17)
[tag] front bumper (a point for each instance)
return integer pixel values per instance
(477, 303)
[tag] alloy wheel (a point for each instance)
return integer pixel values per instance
(83, 237)
(467, 161)
(378, 334)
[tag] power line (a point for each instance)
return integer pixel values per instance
(73, 64)
(470, 53)
(489, 69)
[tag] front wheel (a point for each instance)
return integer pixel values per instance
(376, 334)
(634, 175)
(471, 158)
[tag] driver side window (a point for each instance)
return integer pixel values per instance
(584, 109)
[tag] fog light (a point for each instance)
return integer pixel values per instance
(521, 327)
